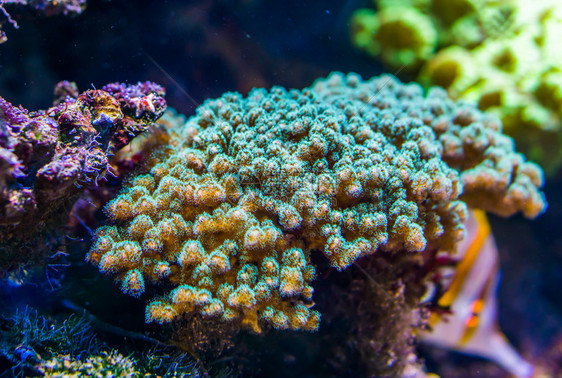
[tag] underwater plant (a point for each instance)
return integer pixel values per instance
(26, 337)
(33, 344)
(48, 158)
(250, 192)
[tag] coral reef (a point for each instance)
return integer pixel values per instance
(45, 7)
(227, 220)
(371, 310)
(47, 158)
(501, 55)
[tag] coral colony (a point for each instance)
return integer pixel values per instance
(48, 157)
(502, 55)
(250, 188)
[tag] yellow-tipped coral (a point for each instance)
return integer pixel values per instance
(250, 187)
(502, 55)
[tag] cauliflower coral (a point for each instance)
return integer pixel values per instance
(250, 188)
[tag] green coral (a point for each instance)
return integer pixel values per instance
(400, 35)
(228, 219)
(502, 55)
(407, 33)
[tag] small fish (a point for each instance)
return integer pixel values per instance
(470, 324)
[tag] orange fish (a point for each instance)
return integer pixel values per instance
(471, 325)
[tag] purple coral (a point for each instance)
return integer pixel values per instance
(47, 157)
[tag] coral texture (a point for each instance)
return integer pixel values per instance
(48, 157)
(227, 220)
(501, 55)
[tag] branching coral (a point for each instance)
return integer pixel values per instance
(48, 157)
(228, 218)
(501, 55)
